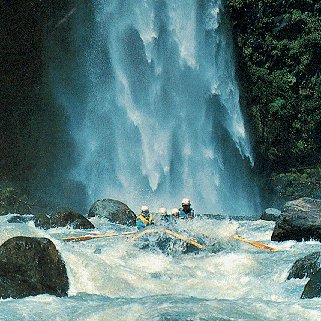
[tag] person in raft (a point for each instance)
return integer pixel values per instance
(175, 214)
(165, 218)
(186, 212)
(144, 219)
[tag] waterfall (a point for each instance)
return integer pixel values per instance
(153, 101)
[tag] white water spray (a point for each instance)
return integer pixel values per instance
(154, 106)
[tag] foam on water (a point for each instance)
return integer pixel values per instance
(113, 279)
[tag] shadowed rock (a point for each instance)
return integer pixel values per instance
(300, 220)
(115, 211)
(20, 218)
(305, 267)
(63, 218)
(313, 288)
(30, 266)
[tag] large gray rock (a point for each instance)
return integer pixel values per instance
(63, 218)
(115, 211)
(313, 288)
(300, 220)
(30, 266)
(303, 205)
(305, 267)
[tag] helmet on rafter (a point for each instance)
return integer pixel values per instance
(145, 209)
(175, 211)
(162, 211)
(186, 201)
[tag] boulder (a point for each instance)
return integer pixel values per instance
(115, 211)
(20, 218)
(300, 220)
(313, 288)
(42, 220)
(70, 218)
(303, 205)
(305, 267)
(63, 218)
(270, 214)
(30, 266)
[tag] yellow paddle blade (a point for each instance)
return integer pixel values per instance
(254, 243)
(178, 236)
(90, 237)
(135, 237)
(185, 239)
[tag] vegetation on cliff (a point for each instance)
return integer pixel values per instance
(278, 46)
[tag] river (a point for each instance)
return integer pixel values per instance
(113, 279)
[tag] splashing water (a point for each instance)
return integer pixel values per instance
(114, 279)
(154, 105)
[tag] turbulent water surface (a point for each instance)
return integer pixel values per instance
(153, 102)
(114, 279)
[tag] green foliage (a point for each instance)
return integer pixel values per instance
(298, 183)
(11, 201)
(279, 54)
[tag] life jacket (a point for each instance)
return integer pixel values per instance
(145, 220)
(186, 215)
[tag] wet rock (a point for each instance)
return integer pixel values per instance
(42, 220)
(270, 214)
(30, 266)
(300, 220)
(305, 267)
(63, 218)
(115, 211)
(313, 288)
(70, 218)
(20, 218)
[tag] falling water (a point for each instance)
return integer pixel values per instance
(151, 91)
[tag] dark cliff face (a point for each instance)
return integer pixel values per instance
(36, 149)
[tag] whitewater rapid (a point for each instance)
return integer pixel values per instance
(114, 279)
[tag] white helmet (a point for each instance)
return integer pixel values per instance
(162, 211)
(145, 209)
(175, 211)
(186, 201)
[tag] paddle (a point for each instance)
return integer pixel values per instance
(178, 236)
(142, 234)
(254, 243)
(90, 237)
(185, 239)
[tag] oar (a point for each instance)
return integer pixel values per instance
(142, 234)
(254, 243)
(185, 239)
(178, 236)
(90, 237)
